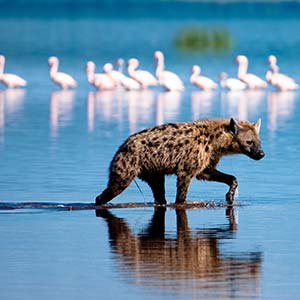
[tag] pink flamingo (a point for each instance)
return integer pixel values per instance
(232, 84)
(63, 80)
(108, 70)
(279, 80)
(8, 79)
(144, 78)
(124, 81)
(169, 80)
(252, 81)
(101, 81)
(202, 82)
(272, 60)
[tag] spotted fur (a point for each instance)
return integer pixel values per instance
(187, 149)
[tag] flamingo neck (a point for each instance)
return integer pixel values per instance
(2, 67)
(274, 68)
(194, 77)
(120, 70)
(90, 75)
(160, 66)
(195, 74)
(269, 76)
(223, 82)
(242, 69)
(53, 69)
(131, 70)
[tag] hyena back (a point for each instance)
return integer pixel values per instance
(188, 149)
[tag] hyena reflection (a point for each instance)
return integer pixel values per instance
(188, 149)
(184, 259)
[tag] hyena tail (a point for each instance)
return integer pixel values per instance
(123, 170)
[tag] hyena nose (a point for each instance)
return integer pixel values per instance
(261, 154)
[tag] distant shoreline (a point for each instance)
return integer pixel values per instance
(167, 9)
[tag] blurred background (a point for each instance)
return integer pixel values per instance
(56, 146)
(77, 31)
(67, 138)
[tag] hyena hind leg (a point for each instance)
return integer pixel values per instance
(116, 185)
(157, 185)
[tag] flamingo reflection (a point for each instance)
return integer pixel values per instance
(140, 110)
(11, 101)
(201, 103)
(280, 107)
(106, 105)
(189, 261)
(91, 111)
(2, 114)
(243, 105)
(61, 104)
(167, 106)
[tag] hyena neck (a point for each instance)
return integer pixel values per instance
(223, 141)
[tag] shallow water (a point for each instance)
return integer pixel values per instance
(55, 146)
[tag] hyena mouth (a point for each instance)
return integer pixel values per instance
(258, 155)
(255, 154)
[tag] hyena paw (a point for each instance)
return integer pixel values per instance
(99, 200)
(230, 198)
(231, 192)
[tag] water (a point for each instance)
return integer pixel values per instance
(56, 146)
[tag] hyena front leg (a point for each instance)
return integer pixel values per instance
(183, 183)
(215, 175)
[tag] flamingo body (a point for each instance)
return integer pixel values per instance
(63, 80)
(115, 75)
(232, 84)
(202, 82)
(129, 84)
(169, 80)
(279, 80)
(144, 78)
(252, 81)
(126, 82)
(101, 81)
(8, 79)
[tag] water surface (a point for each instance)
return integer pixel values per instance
(55, 146)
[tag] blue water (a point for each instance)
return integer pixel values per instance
(55, 146)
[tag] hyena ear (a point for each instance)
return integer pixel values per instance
(257, 125)
(234, 126)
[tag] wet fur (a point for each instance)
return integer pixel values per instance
(187, 149)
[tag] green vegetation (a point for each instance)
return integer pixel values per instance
(195, 38)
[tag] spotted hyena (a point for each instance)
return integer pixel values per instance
(187, 149)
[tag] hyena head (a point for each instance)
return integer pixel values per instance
(247, 138)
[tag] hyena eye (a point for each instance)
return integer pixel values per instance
(250, 142)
